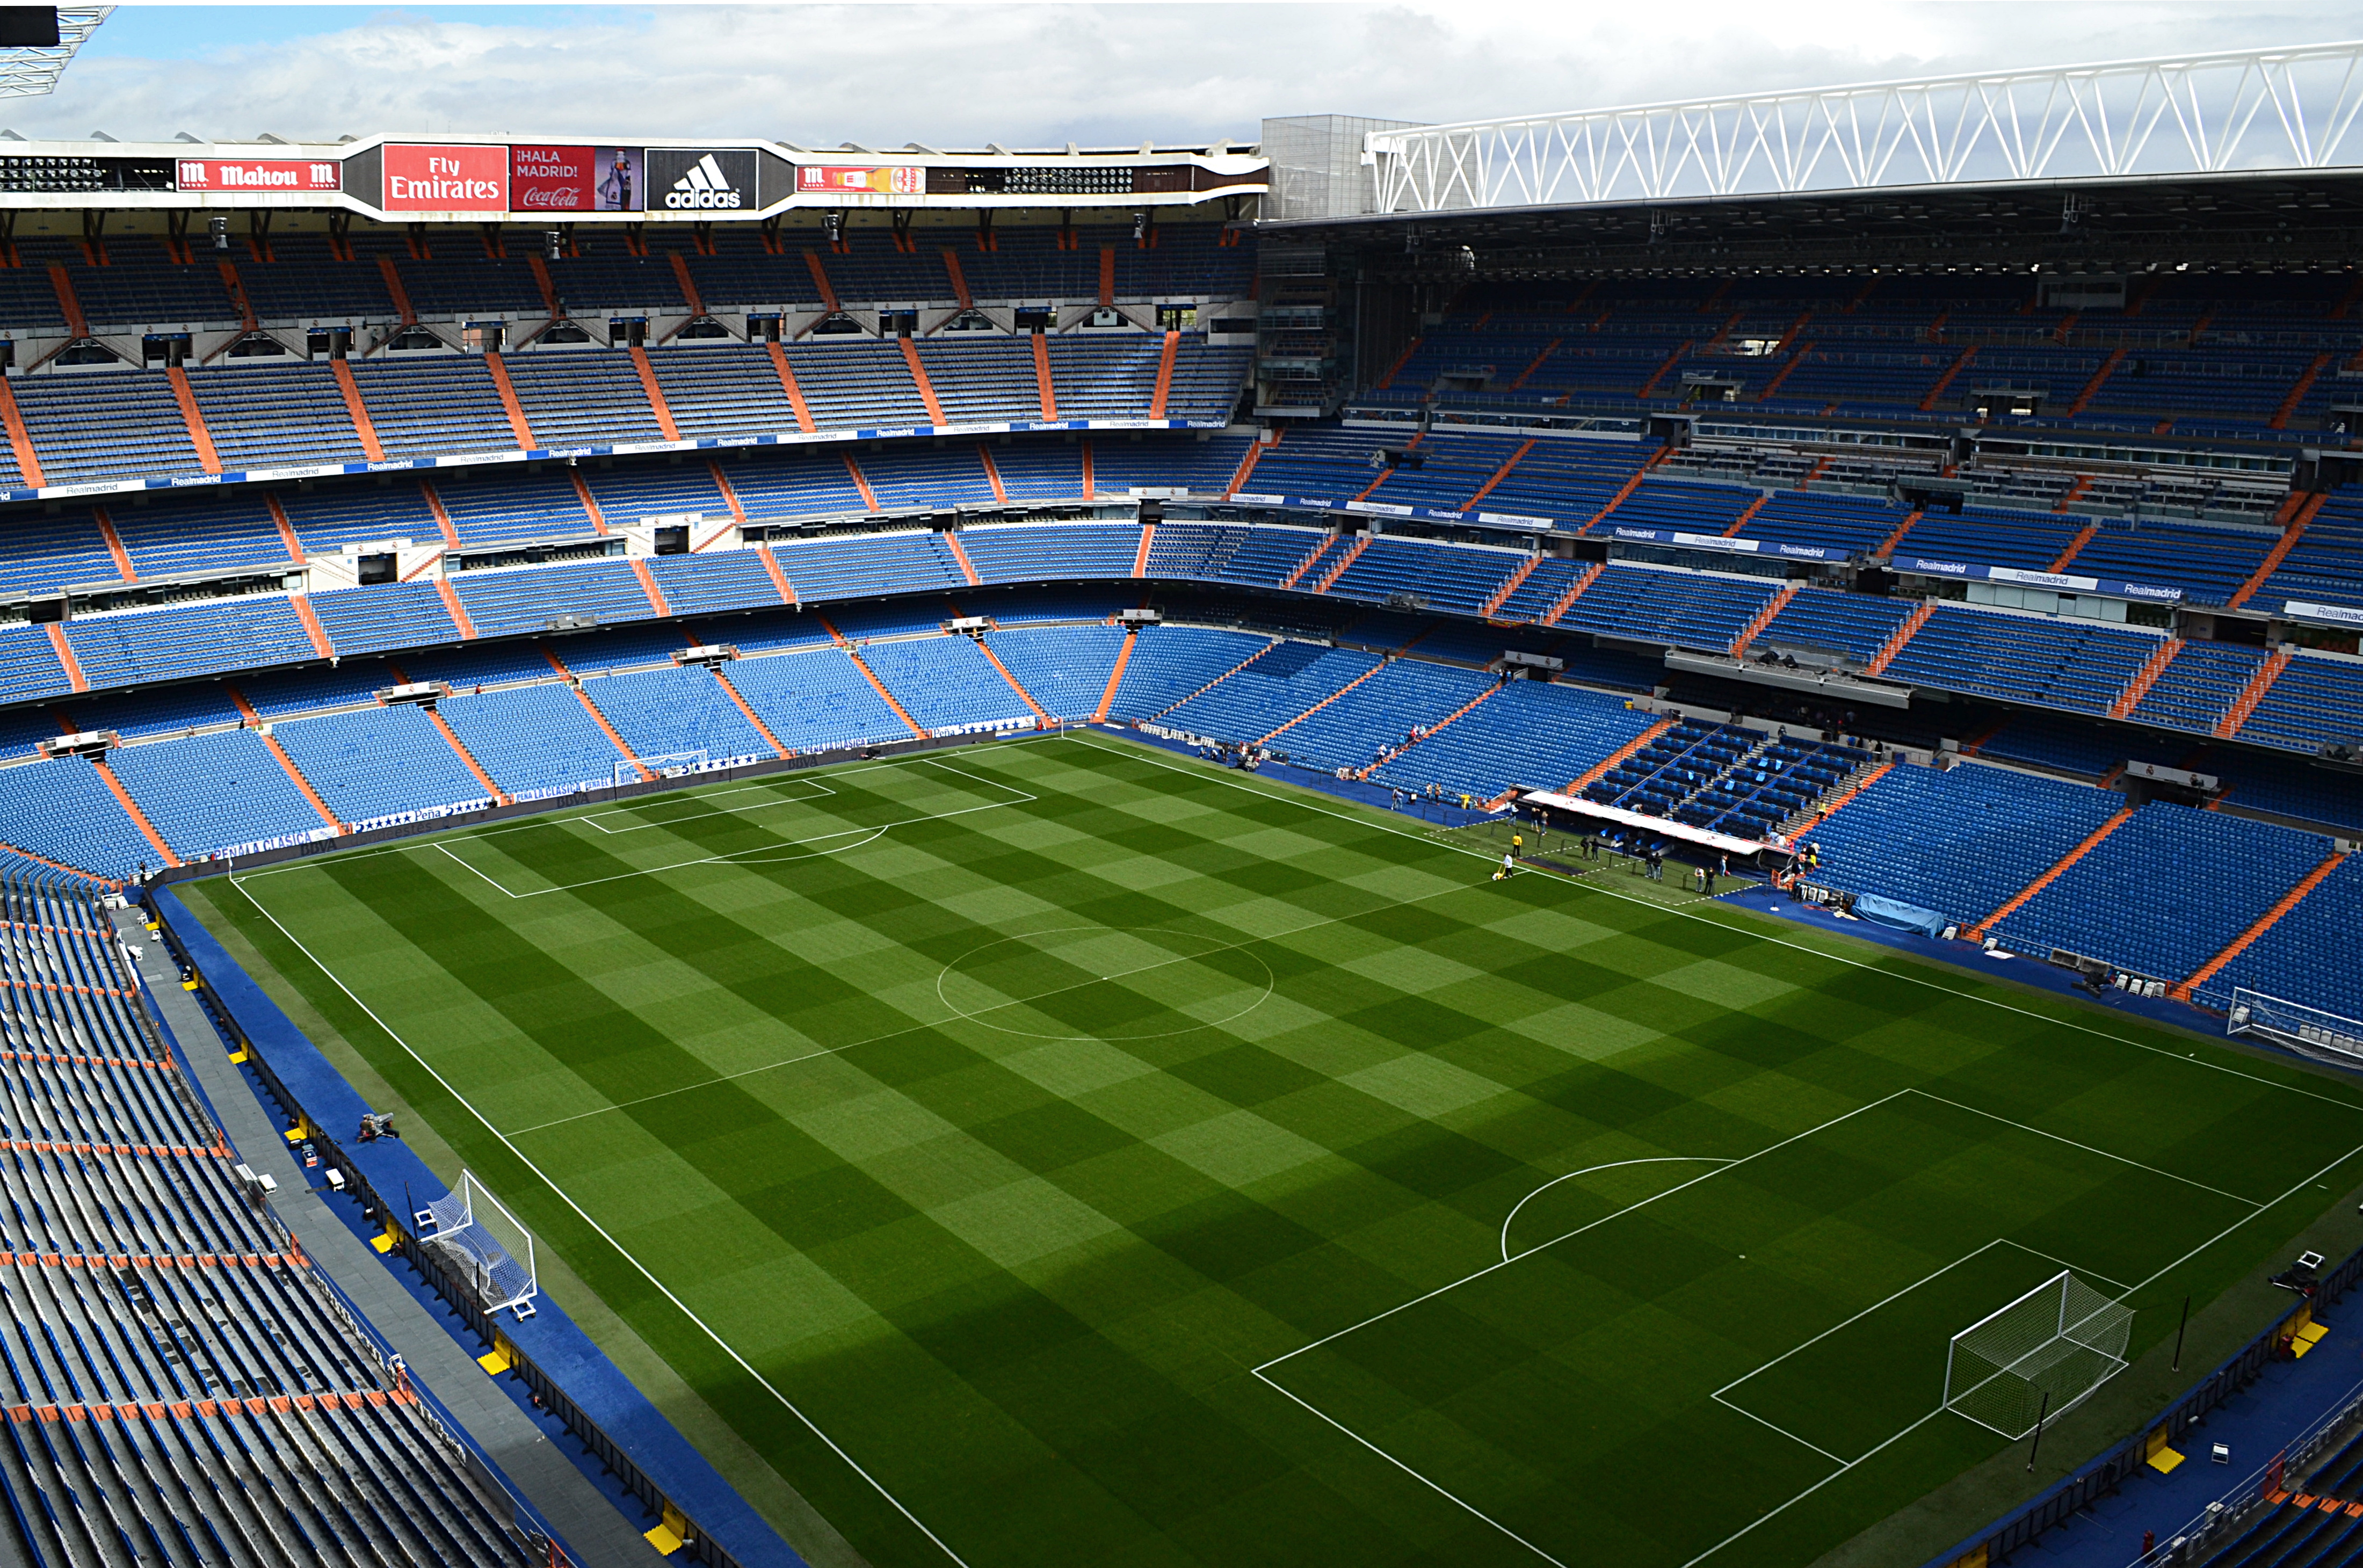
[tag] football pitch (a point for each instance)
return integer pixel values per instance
(1064, 1153)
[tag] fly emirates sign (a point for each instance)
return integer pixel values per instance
(446, 179)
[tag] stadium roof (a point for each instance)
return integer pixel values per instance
(29, 70)
(2179, 115)
(2285, 221)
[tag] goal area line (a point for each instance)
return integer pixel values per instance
(1883, 1302)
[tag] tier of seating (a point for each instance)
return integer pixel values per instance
(1529, 734)
(1725, 778)
(126, 423)
(2299, 699)
(139, 284)
(2185, 351)
(1962, 841)
(179, 1386)
(2166, 891)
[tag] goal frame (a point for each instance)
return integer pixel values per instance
(2309, 1030)
(2111, 1320)
(665, 765)
(450, 1219)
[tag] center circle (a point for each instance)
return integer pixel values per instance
(1152, 981)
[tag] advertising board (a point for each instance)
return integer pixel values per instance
(817, 179)
(545, 178)
(247, 176)
(446, 179)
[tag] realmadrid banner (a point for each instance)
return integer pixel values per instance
(688, 179)
(547, 179)
(902, 182)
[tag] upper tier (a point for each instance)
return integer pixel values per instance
(138, 282)
(106, 427)
(2189, 355)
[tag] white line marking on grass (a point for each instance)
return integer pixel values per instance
(1613, 1164)
(1692, 909)
(2088, 1148)
(2300, 1187)
(978, 1016)
(1807, 1344)
(1776, 1511)
(734, 858)
(725, 1346)
(819, 790)
(1792, 1437)
(1453, 1498)
(560, 816)
(1580, 1230)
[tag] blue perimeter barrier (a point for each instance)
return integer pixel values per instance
(573, 1378)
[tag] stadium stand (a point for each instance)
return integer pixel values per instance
(1963, 841)
(245, 1419)
(1743, 534)
(2179, 922)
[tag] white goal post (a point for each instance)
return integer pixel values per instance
(2294, 1024)
(488, 1245)
(670, 765)
(2036, 1357)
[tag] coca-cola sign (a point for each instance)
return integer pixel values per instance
(552, 178)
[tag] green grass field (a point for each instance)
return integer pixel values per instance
(1121, 1161)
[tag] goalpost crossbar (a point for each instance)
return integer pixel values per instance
(2037, 1356)
(498, 1260)
(2310, 1030)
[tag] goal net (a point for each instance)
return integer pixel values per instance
(2037, 1356)
(485, 1244)
(2292, 1024)
(670, 765)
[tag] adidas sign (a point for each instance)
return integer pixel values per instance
(702, 187)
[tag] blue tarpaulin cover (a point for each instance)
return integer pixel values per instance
(1900, 915)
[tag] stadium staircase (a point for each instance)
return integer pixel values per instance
(1904, 634)
(2146, 678)
(1268, 739)
(1826, 804)
(1585, 782)
(2253, 693)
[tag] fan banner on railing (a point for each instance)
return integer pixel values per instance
(1677, 539)
(1969, 572)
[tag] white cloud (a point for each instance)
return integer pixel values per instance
(1036, 75)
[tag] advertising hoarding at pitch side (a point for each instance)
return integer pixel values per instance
(700, 179)
(549, 179)
(246, 175)
(907, 181)
(446, 179)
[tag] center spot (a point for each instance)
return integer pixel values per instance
(1098, 982)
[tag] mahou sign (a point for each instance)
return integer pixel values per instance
(446, 179)
(245, 175)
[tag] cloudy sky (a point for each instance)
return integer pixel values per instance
(1045, 74)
